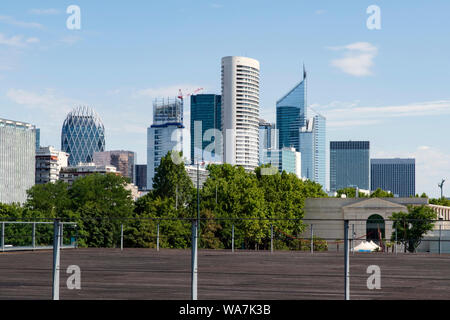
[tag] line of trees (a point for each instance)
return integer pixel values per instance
(100, 204)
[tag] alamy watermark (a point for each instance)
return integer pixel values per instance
(374, 280)
(74, 20)
(374, 20)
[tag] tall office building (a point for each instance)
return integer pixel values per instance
(206, 127)
(17, 160)
(240, 111)
(141, 176)
(395, 175)
(349, 165)
(124, 161)
(165, 134)
(267, 139)
(82, 134)
(49, 163)
(38, 139)
(291, 115)
(312, 140)
(285, 159)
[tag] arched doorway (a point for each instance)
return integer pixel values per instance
(375, 227)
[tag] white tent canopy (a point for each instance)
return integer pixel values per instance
(365, 247)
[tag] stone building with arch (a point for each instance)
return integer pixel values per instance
(369, 218)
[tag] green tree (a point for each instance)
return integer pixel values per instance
(350, 193)
(99, 205)
(238, 197)
(172, 180)
(412, 226)
(49, 200)
(440, 202)
(379, 193)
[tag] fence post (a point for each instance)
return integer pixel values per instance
(353, 238)
(232, 238)
(157, 237)
(121, 237)
(440, 231)
(312, 238)
(62, 234)
(33, 238)
(3, 237)
(194, 261)
(346, 262)
(395, 245)
(56, 257)
(271, 238)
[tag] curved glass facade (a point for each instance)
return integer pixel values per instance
(291, 116)
(82, 134)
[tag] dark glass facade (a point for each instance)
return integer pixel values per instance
(141, 176)
(349, 165)
(82, 134)
(395, 175)
(207, 110)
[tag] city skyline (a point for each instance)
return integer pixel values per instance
(384, 95)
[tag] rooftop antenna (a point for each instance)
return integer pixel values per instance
(441, 185)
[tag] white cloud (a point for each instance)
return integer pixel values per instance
(54, 106)
(16, 41)
(164, 92)
(32, 40)
(340, 114)
(11, 21)
(358, 58)
(71, 40)
(50, 11)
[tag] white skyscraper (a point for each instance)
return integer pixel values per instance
(165, 134)
(240, 111)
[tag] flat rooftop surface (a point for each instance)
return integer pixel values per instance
(243, 275)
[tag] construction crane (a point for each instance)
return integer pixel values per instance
(182, 96)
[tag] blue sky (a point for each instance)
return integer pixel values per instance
(389, 86)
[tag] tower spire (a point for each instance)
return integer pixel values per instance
(304, 71)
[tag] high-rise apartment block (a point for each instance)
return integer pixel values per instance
(349, 165)
(124, 161)
(395, 175)
(165, 134)
(49, 163)
(72, 173)
(240, 111)
(206, 128)
(17, 160)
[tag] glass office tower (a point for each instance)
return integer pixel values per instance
(267, 140)
(349, 165)
(82, 134)
(206, 127)
(395, 175)
(312, 140)
(291, 115)
(17, 160)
